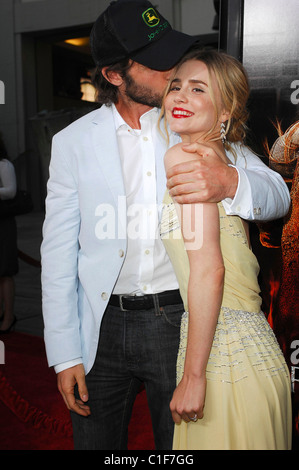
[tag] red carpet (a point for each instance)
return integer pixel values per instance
(32, 413)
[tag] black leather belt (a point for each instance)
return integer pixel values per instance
(145, 302)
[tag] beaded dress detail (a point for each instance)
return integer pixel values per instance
(247, 403)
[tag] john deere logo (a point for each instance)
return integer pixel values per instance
(150, 17)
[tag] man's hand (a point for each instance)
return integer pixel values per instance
(208, 178)
(66, 380)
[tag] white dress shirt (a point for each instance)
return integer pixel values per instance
(147, 268)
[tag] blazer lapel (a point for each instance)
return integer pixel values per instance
(106, 150)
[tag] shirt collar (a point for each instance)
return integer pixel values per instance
(119, 121)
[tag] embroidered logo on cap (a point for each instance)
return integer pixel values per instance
(150, 17)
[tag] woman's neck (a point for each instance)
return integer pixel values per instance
(212, 140)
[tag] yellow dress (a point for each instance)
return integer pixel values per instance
(248, 395)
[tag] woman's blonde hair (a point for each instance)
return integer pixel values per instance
(233, 85)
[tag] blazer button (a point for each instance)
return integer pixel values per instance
(121, 253)
(104, 295)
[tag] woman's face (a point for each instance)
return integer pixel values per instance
(189, 108)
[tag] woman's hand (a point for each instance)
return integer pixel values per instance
(188, 399)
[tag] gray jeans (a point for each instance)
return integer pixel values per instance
(135, 347)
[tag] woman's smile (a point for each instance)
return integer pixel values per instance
(179, 113)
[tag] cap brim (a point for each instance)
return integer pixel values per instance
(165, 53)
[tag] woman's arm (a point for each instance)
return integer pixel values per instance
(201, 232)
(205, 290)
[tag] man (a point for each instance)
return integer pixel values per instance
(110, 300)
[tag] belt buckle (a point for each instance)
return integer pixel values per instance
(121, 303)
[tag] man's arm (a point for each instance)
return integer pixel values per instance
(248, 189)
(59, 255)
(60, 280)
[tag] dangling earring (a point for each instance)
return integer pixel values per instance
(222, 132)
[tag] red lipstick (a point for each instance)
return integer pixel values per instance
(180, 113)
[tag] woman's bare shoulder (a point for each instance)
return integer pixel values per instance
(176, 155)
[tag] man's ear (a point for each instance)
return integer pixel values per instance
(112, 77)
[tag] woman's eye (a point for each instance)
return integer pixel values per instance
(198, 90)
(174, 88)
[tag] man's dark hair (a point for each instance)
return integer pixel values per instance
(106, 93)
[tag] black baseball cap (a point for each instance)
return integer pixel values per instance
(135, 29)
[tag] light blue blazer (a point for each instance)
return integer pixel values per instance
(79, 265)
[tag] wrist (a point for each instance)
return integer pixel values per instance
(232, 181)
(194, 373)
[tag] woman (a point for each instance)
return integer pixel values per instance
(8, 245)
(233, 387)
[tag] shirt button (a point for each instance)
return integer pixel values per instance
(104, 295)
(149, 173)
(147, 252)
(145, 139)
(144, 287)
(121, 253)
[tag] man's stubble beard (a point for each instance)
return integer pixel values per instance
(142, 94)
